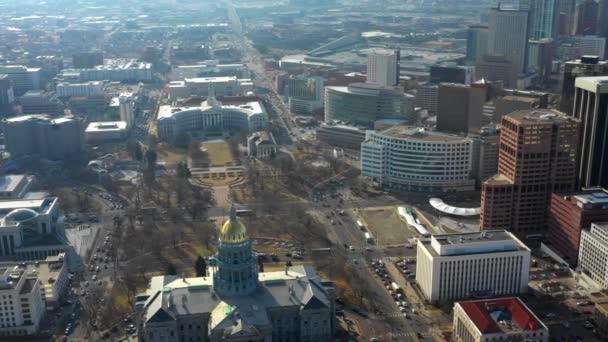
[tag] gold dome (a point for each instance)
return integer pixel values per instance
(233, 231)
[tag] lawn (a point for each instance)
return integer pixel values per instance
(386, 227)
(219, 153)
(171, 155)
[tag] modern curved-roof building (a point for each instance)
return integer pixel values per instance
(364, 103)
(210, 116)
(413, 159)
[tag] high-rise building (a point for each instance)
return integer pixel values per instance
(79, 89)
(126, 108)
(455, 266)
(565, 12)
(22, 302)
(40, 102)
(537, 157)
(427, 96)
(585, 66)
(23, 78)
(540, 57)
(484, 320)
(591, 108)
(459, 106)
(87, 60)
(477, 43)
(413, 159)
(543, 19)
(7, 97)
(602, 19)
(364, 103)
(593, 254)
(451, 73)
(569, 214)
(485, 152)
(305, 93)
(496, 68)
(572, 47)
(52, 138)
(586, 18)
(508, 35)
(383, 67)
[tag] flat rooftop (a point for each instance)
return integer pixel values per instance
(464, 238)
(10, 182)
(499, 179)
(484, 242)
(420, 134)
(106, 126)
(251, 108)
(501, 315)
(540, 116)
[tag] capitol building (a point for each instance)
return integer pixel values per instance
(236, 302)
(210, 116)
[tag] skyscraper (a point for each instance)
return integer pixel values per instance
(537, 157)
(7, 97)
(383, 67)
(496, 68)
(591, 108)
(459, 106)
(586, 18)
(602, 19)
(565, 13)
(543, 19)
(508, 35)
(477, 43)
(585, 66)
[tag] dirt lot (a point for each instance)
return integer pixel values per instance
(171, 155)
(386, 227)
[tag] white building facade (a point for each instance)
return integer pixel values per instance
(79, 89)
(21, 303)
(593, 253)
(412, 159)
(383, 67)
(456, 266)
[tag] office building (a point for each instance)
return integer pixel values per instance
(383, 67)
(465, 265)
(427, 96)
(364, 103)
(537, 157)
(126, 108)
(40, 102)
(236, 302)
(344, 136)
(543, 19)
(496, 68)
(7, 97)
(485, 152)
(52, 273)
(585, 66)
(477, 43)
(413, 159)
(120, 70)
(199, 86)
(586, 16)
(15, 186)
(540, 58)
(305, 93)
(51, 138)
(460, 106)
(572, 47)
(566, 13)
(508, 36)
(22, 78)
(87, 60)
(261, 145)
(65, 89)
(571, 213)
(602, 18)
(511, 101)
(210, 116)
(497, 319)
(106, 131)
(593, 254)
(451, 73)
(590, 108)
(22, 304)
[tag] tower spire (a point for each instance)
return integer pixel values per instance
(232, 212)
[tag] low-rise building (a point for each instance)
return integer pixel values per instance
(199, 86)
(40, 102)
(65, 89)
(414, 159)
(15, 186)
(211, 116)
(601, 318)
(121, 70)
(497, 319)
(107, 131)
(593, 254)
(261, 145)
(338, 135)
(472, 265)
